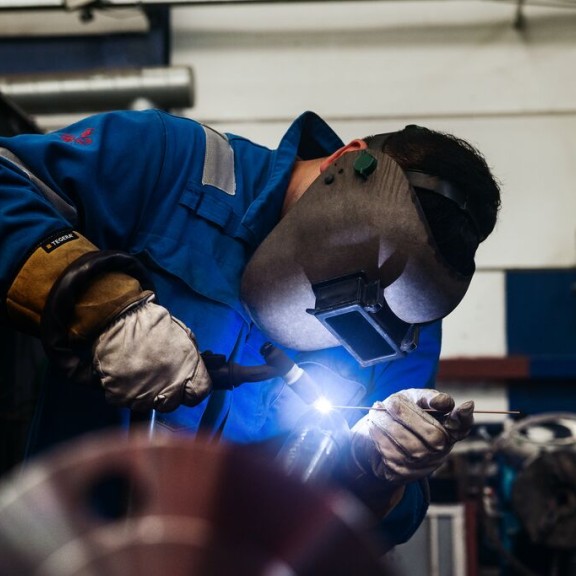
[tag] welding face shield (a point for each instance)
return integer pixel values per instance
(353, 263)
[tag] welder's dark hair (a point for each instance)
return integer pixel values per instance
(458, 162)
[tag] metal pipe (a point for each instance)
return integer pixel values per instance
(314, 449)
(96, 4)
(171, 87)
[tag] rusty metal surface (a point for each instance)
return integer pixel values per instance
(114, 504)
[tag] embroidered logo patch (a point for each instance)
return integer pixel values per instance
(58, 241)
(84, 138)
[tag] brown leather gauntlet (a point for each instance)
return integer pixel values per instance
(103, 299)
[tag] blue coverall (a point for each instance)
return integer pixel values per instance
(192, 205)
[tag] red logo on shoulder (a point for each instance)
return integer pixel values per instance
(84, 138)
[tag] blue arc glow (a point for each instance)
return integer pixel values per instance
(323, 405)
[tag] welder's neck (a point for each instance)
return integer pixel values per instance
(304, 172)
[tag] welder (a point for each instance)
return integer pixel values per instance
(345, 256)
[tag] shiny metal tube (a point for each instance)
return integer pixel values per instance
(166, 88)
(313, 451)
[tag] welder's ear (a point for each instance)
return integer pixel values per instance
(352, 146)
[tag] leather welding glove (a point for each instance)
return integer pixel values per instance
(402, 442)
(142, 356)
(145, 358)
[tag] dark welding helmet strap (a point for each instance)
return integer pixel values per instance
(420, 179)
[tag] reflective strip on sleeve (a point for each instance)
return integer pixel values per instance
(67, 210)
(219, 162)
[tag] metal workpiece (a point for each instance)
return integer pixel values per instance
(67, 93)
(314, 450)
(127, 504)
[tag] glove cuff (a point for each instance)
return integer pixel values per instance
(74, 357)
(29, 291)
(377, 494)
(104, 297)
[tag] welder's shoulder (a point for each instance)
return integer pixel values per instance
(139, 128)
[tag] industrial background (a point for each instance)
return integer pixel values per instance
(499, 74)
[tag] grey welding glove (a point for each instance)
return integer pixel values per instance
(145, 359)
(403, 442)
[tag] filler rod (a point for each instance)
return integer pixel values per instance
(426, 410)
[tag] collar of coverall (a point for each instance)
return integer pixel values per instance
(361, 214)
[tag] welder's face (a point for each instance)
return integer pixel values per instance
(359, 215)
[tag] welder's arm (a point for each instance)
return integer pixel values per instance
(142, 356)
(402, 443)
